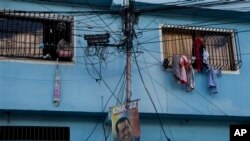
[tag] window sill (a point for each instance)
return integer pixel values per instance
(35, 61)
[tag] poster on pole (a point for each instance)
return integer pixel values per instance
(125, 122)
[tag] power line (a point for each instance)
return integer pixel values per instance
(102, 12)
(152, 21)
(101, 19)
(159, 52)
(211, 20)
(81, 12)
(152, 42)
(196, 24)
(151, 80)
(94, 26)
(207, 101)
(145, 87)
(181, 5)
(168, 90)
(211, 103)
(248, 53)
(112, 94)
(107, 25)
(150, 76)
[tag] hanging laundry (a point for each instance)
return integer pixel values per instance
(190, 79)
(64, 50)
(205, 60)
(56, 99)
(165, 63)
(184, 64)
(183, 71)
(205, 56)
(176, 67)
(41, 45)
(197, 53)
(212, 79)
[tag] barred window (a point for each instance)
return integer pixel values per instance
(35, 35)
(32, 133)
(221, 44)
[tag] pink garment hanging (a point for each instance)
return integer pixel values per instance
(184, 64)
(56, 99)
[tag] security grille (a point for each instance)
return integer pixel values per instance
(29, 133)
(222, 45)
(34, 35)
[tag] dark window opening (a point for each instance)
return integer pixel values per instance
(36, 35)
(34, 133)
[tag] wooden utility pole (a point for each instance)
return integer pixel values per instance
(128, 34)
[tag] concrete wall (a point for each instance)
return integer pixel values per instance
(29, 85)
(81, 127)
(233, 87)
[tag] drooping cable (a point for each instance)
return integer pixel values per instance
(151, 99)
(210, 102)
(112, 95)
(150, 76)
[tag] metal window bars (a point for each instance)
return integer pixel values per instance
(33, 34)
(34, 133)
(222, 44)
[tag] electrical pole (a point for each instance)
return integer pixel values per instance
(128, 34)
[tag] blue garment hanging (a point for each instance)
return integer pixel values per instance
(212, 85)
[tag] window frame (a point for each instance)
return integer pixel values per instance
(38, 18)
(234, 42)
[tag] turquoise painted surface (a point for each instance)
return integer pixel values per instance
(81, 127)
(29, 84)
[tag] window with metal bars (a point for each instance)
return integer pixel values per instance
(221, 44)
(35, 35)
(34, 133)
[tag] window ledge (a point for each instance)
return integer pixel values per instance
(34, 61)
(231, 72)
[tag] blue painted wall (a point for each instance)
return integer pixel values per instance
(233, 88)
(28, 85)
(82, 126)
